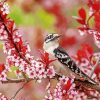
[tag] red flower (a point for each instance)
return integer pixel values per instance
(2, 67)
(45, 59)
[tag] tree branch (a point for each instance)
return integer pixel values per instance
(13, 81)
(87, 84)
(13, 97)
(84, 83)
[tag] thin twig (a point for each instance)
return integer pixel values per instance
(87, 84)
(13, 97)
(15, 80)
(94, 67)
(84, 83)
(90, 18)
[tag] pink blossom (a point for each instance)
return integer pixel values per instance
(5, 9)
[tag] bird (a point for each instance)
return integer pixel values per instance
(52, 47)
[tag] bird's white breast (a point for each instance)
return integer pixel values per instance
(50, 47)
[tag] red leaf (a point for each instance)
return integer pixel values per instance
(96, 6)
(97, 21)
(67, 86)
(97, 70)
(82, 28)
(2, 67)
(45, 59)
(87, 48)
(81, 54)
(90, 2)
(82, 13)
(85, 52)
(9, 24)
(81, 21)
(52, 60)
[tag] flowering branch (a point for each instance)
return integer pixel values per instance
(88, 84)
(57, 76)
(19, 58)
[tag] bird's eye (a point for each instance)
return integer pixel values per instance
(50, 36)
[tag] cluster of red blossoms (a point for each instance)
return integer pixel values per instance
(18, 52)
(94, 12)
(18, 55)
(86, 57)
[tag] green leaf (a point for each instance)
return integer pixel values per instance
(11, 74)
(20, 17)
(44, 19)
(37, 18)
(14, 68)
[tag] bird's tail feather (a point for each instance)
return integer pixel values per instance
(91, 80)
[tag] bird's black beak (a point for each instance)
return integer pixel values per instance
(56, 37)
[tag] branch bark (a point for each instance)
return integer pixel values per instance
(84, 83)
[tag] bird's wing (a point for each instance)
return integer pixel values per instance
(65, 59)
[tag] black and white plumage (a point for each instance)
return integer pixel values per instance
(65, 59)
(51, 45)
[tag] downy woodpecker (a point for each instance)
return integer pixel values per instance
(51, 46)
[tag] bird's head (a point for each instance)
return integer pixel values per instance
(52, 37)
(51, 41)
